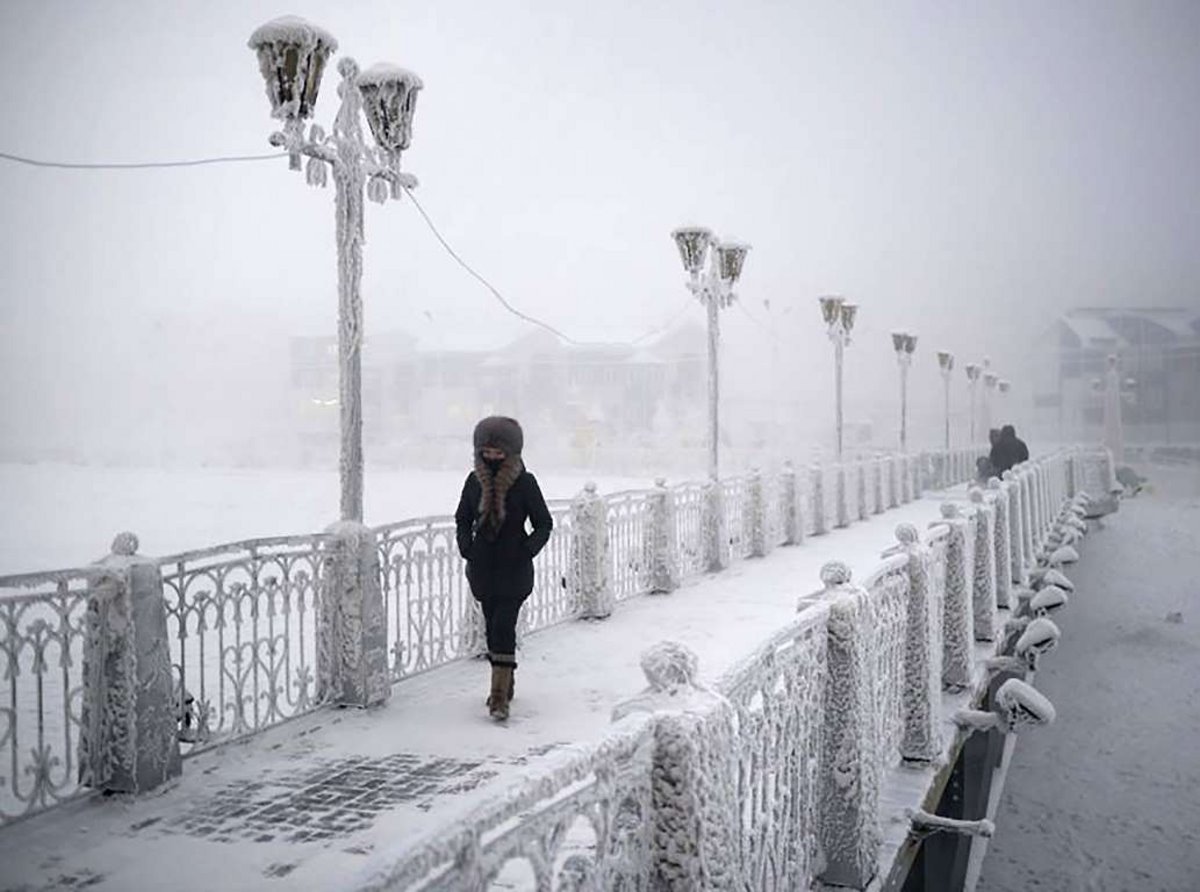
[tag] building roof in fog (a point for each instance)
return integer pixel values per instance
(1109, 328)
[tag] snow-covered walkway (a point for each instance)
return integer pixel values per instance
(302, 806)
(1107, 797)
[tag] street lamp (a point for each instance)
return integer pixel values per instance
(292, 55)
(989, 387)
(946, 365)
(1114, 434)
(713, 268)
(839, 317)
(972, 370)
(904, 344)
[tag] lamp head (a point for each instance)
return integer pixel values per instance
(831, 308)
(945, 360)
(693, 242)
(730, 257)
(291, 56)
(389, 96)
(849, 311)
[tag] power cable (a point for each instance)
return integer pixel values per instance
(137, 165)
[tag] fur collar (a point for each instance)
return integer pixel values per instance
(495, 488)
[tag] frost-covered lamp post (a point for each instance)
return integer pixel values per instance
(292, 54)
(946, 366)
(839, 318)
(989, 388)
(1114, 435)
(713, 287)
(972, 370)
(904, 344)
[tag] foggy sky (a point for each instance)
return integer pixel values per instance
(967, 170)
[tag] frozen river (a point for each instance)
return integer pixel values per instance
(58, 515)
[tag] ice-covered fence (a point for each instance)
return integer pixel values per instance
(242, 631)
(626, 517)
(579, 819)
(44, 620)
(689, 527)
(777, 694)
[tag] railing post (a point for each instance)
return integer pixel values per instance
(352, 665)
(817, 489)
(958, 614)
(921, 740)
(589, 553)
(877, 484)
(755, 518)
(998, 493)
(843, 506)
(1016, 533)
(662, 551)
(906, 487)
(893, 483)
(1027, 539)
(716, 542)
(863, 512)
(694, 775)
(128, 737)
(792, 514)
(849, 787)
(984, 586)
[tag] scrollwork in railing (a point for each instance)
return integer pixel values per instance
(627, 513)
(603, 790)
(689, 527)
(45, 619)
(241, 623)
(778, 695)
(888, 590)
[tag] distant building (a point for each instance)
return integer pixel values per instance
(1159, 350)
(586, 394)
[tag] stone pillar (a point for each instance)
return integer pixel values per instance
(694, 782)
(820, 521)
(984, 583)
(877, 485)
(998, 493)
(921, 740)
(128, 732)
(849, 786)
(793, 516)
(716, 542)
(754, 517)
(589, 553)
(352, 665)
(843, 505)
(906, 487)
(893, 493)
(958, 614)
(661, 547)
(1026, 491)
(861, 486)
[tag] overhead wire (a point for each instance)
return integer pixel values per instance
(137, 165)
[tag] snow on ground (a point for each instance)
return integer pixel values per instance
(1106, 798)
(230, 804)
(56, 516)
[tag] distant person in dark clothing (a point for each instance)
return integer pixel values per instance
(498, 497)
(1008, 450)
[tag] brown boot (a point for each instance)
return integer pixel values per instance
(501, 682)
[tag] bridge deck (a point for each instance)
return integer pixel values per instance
(310, 804)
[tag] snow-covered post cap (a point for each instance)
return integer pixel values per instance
(125, 544)
(671, 671)
(835, 574)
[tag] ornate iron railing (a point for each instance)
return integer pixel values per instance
(888, 589)
(627, 513)
(776, 693)
(689, 527)
(45, 620)
(733, 503)
(580, 820)
(242, 627)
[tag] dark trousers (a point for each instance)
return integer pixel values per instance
(500, 614)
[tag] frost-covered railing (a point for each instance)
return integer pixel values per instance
(242, 632)
(772, 779)
(580, 819)
(626, 519)
(45, 619)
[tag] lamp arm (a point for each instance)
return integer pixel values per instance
(301, 146)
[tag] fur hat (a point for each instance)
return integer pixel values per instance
(499, 432)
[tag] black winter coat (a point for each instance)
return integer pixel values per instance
(502, 568)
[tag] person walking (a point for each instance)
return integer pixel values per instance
(498, 497)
